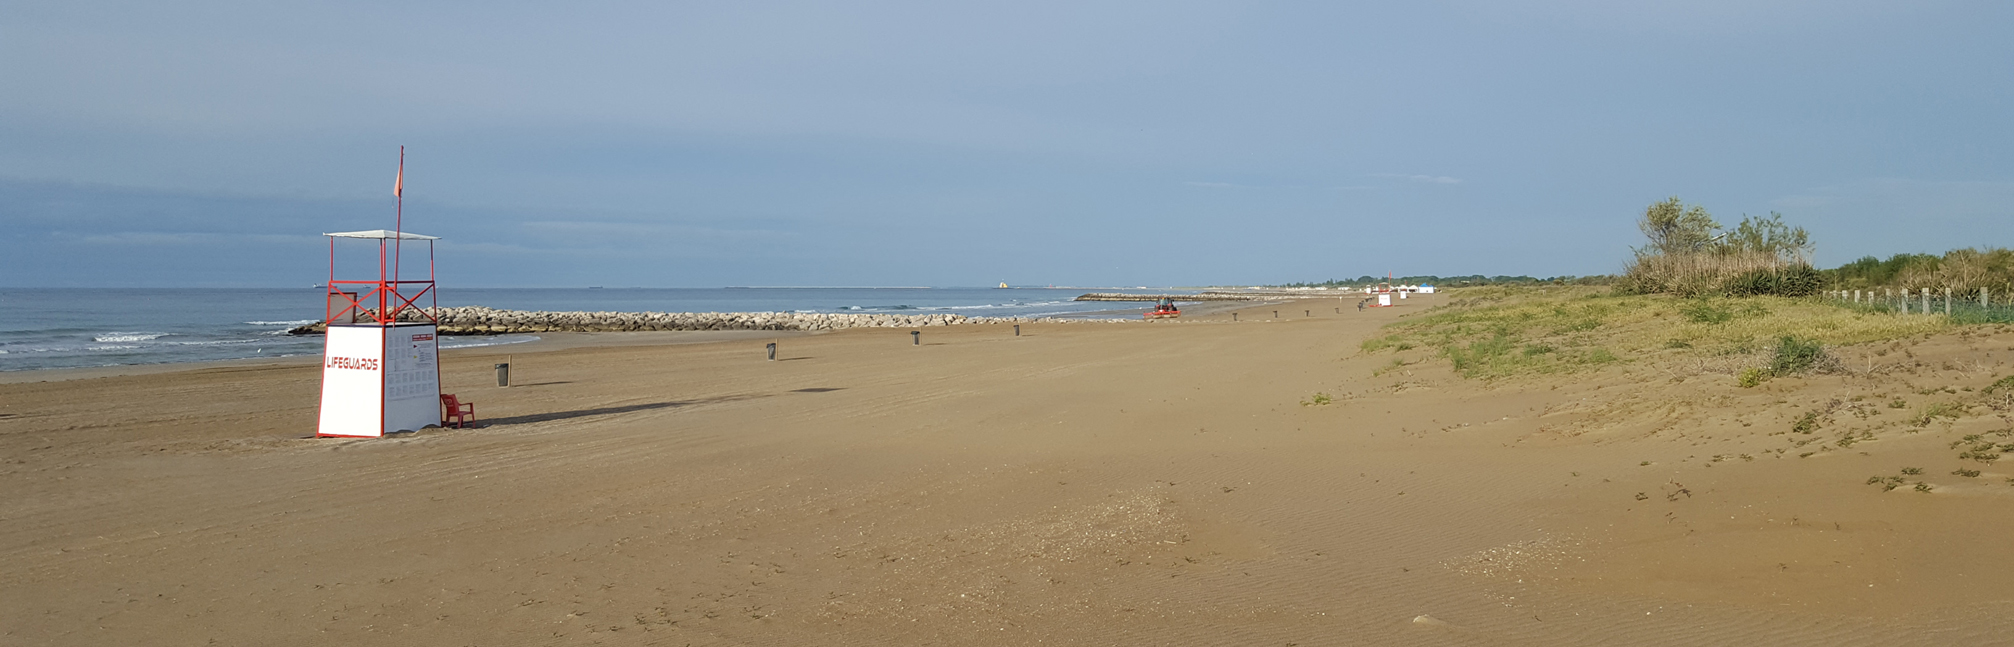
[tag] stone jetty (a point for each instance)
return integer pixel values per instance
(478, 320)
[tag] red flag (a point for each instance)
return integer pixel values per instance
(399, 185)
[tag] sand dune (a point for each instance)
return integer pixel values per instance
(1159, 483)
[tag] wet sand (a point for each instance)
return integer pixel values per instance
(1095, 484)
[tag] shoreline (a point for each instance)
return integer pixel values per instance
(546, 342)
(553, 341)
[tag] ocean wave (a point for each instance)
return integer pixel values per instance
(128, 336)
(495, 341)
(997, 306)
(301, 322)
(111, 348)
(219, 342)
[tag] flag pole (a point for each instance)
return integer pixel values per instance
(399, 225)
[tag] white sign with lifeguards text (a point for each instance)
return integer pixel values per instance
(378, 380)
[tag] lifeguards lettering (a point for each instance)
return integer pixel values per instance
(353, 363)
(423, 337)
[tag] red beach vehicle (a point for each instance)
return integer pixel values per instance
(1164, 309)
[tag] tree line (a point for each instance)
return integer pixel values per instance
(1689, 253)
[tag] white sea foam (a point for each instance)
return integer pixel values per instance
(128, 336)
(302, 322)
(112, 348)
(496, 341)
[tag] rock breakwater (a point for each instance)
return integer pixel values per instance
(479, 320)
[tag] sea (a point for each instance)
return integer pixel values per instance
(45, 328)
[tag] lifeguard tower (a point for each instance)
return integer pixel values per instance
(1384, 293)
(381, 365)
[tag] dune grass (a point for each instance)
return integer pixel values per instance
(1499, 332)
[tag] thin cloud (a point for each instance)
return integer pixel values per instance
(1422, 179)
(1228, 185)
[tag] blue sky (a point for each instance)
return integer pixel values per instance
(1120, 143)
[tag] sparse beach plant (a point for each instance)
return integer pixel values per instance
(1887, 483)
(1797, 355)
(1912, 471)
(1937, 410)
(1706, 312)
(1965, 472)
(1318, 399)
(1753, 377)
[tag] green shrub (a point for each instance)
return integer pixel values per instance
(1753, 377)
(1793, 281)
(1795, 355)
(1704, 311)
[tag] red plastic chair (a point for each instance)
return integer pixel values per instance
(456, 413)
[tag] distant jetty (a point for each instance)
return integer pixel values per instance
(478, 320)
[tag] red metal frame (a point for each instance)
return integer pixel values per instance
(389, 294)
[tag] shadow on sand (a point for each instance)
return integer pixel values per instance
(604, 411)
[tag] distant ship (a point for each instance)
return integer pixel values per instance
(1003, 285)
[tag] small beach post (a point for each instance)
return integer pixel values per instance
(916, 337)
(1234, 316)
(503, 374)
(1017, 330)
(772, 351)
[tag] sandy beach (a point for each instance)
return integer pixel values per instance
(1166, 483)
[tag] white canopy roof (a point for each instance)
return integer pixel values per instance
(381, 234)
